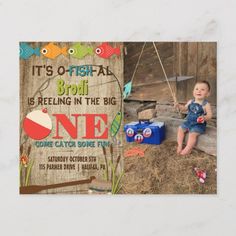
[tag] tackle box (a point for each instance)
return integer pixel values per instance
(145, 132)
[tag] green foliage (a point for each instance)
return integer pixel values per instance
(28, 172)
(116, 186)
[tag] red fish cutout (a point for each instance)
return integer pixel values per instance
(105, 50)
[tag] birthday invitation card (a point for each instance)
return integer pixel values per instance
(117, 118)
(71, 117)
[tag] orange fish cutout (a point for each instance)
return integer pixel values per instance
(52, 51)
(134, 152)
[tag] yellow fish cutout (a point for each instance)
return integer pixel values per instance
(52, 51)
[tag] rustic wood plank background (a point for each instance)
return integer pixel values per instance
(28, 86)
(197, 59)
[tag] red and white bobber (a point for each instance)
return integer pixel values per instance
(147, 132)
(200, 119)
(200, 174)
(138, 138)
(130, 132)
(37, 124)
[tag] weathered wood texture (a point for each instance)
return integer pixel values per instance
(98, 87)
(169, 111)
(161, 109)
(197, 59)
(146, 114)
(149, 69)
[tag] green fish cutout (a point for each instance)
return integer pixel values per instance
(80, 51)
(115, 125)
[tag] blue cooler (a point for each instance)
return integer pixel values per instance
(145, 132)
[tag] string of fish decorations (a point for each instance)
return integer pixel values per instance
(77, 50)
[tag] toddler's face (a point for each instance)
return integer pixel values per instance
(200, 91)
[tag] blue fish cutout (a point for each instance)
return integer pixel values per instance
(26, 51)
(127, 90)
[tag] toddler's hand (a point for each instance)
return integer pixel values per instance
(200, 119)
(176, 105)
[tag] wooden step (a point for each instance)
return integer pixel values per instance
(206, 142)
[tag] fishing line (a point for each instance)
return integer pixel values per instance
(118, 82)
(29, 108)
(116, 122)
(128, 86)
(163, 69)
(101, 84)
(136, 66)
